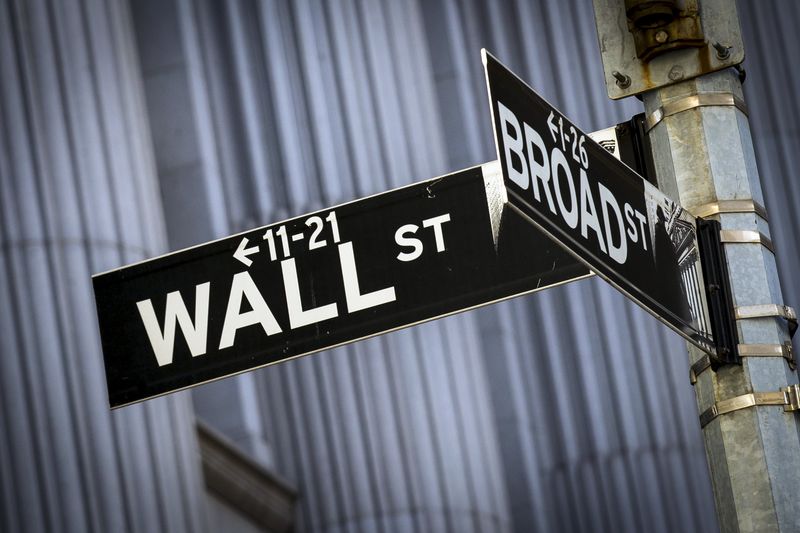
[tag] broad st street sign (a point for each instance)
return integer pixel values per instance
(318, 281)
(596, 207)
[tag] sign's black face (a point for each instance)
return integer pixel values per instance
(317, 281)
(619, 225)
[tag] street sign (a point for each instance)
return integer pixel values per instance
(596, 207)
(317, 281)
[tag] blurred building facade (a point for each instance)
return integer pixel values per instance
(132, 128)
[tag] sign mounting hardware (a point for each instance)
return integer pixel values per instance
(662, 42)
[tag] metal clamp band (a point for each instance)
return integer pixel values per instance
(769, 310)
(788, 397)
(746, 236)
(748, 350)
(729, 206)
(699, 366)
(769, 350)
(765, 311)
(691, 102)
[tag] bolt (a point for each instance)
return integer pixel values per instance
(661, 36)
(623, 80)
(675, 73)
(723, 50)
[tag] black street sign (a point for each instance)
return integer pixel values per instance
(622, 227)
(318, 281)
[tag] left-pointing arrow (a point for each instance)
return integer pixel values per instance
(242, 252)
(553, 128)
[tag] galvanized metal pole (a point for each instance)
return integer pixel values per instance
(704, 158)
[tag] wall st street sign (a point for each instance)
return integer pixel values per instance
(406, 256)
(317, 281)
(596, 207)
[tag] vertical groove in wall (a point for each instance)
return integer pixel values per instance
(75, 102)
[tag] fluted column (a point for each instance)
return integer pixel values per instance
(309, 104)
(78, 196)
(191, 161)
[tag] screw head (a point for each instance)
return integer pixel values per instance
(661, 36)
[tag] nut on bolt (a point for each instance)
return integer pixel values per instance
(661, 36)
(623, 80)
(723, 50)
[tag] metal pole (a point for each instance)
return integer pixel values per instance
(704, 158)
(677, 55)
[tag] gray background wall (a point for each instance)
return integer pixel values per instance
(569, 410)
